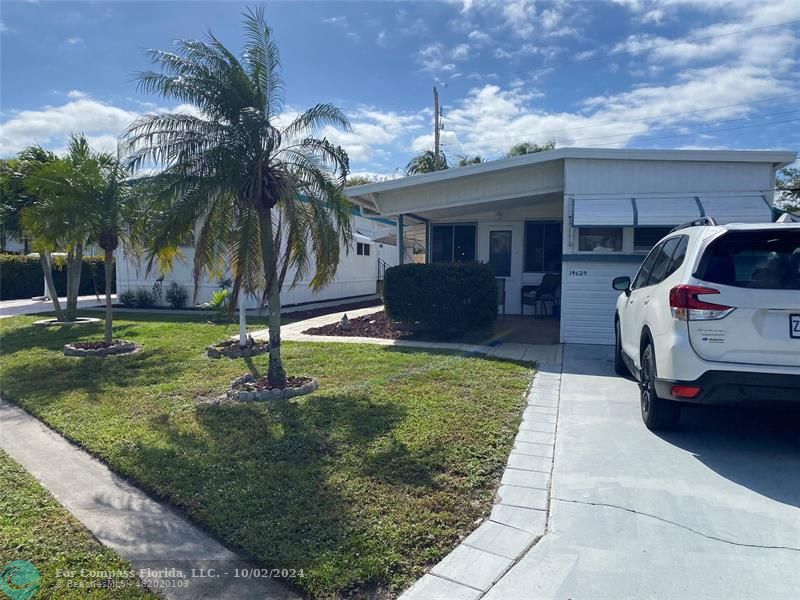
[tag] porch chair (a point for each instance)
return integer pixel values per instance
(548, 291)
(528, 297)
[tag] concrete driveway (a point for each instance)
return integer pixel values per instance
(709, 511)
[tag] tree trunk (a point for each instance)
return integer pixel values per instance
(242, 319)
(74, 267)
(276, 373)
(44, 260)
(108, 267)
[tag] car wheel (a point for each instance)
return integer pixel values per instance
(657, 413)
(620, 368)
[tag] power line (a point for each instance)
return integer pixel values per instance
(614, 123)
(659, 46)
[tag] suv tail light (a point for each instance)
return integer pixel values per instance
(686, 306)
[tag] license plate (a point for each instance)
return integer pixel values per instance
(794, 326)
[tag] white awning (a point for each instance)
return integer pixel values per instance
(737, 209)
(666, 211)
(589, 212)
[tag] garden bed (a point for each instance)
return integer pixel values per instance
(249, 387)
(376, 325)
(99, 348)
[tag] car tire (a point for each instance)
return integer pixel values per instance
(620, 368)
(657, 413)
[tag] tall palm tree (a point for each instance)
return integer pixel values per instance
(95, 190)
(426, 162)
(267, 193)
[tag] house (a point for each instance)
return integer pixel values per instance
(588, 214)
(360, 268)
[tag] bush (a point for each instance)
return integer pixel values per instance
(176, 296)
(128, 298)
(457, 296)
(21, 277)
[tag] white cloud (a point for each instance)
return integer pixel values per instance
(339, 20)
(73, 41)
(460, 52)
(375, 133)
(380, 39)
(433, 58)
(479, 37)
(3, 27)
(50, 126)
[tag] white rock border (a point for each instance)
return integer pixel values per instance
(57, 323)
(235, 351)
(121, 347)
(277, 394)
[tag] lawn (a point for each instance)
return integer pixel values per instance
(360, 485)
(35, 527)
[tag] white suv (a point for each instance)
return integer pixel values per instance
(712, 316)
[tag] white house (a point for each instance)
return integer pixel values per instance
(587, 214)
(360, 267)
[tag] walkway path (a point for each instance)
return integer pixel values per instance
(510, 351)
(150, 534)
(13, 308)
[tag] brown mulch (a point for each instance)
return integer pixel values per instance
(376, 325)
(97, 345)
(302, 315)
(251, 343)
(263, 384)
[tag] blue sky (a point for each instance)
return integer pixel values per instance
(635, 73)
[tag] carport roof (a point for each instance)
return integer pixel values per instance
(365, 195)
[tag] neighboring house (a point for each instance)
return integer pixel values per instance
(359, 269)
(588, 214)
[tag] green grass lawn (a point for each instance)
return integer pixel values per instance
(35, 527)
(361, 484)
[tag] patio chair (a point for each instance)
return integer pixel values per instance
(501, 293)
(528, 297)
(548, 291)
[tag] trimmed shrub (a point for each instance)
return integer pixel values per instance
(128, 298)
(145, 298)
(21, 277)
(447, 296)
(176, 296)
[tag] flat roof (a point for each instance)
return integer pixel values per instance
(779, 158)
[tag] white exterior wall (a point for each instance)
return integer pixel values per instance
(356, 275)
(588, 301)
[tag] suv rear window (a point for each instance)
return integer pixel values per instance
(767, 259)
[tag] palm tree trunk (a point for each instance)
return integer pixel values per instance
(108, 267)
(74, 265)
(44, 260)
(276, 374)
(242, 319)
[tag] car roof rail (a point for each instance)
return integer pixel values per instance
(702, 221)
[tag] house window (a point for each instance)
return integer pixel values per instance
(500, 253)
(600, 239)
(362, 249)
(542, 246)
(644, 238)
(452, 243)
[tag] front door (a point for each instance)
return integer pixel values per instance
(500, 247)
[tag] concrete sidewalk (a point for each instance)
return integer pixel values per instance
(150, 534)
(13, 308)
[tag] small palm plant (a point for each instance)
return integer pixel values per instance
(426, 162)
(265, 191)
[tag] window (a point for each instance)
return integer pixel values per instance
(600, 239)
(542, 246)
(663, 261)
(362, 249)
(452, 243)
(767, 259)
(644, 238)
(647, 266)
(500, 253)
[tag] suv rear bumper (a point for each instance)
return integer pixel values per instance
(737, 387)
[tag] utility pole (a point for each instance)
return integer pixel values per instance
(435, 129)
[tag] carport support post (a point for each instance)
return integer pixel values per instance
(400, 244)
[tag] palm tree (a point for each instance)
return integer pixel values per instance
(464, 160)
(17, 195)
(267, 195)
(529, 148)
(426, 163)
(93, 188)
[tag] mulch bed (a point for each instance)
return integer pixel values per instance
(249, 387)
(100, 348)
(376, 325)
(232, 349)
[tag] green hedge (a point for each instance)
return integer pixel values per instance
(457, 296)
(21, 277)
